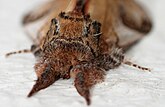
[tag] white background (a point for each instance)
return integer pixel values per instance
(123, 87)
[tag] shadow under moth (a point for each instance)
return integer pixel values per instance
(83, 40)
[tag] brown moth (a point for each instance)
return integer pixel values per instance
(83, 39)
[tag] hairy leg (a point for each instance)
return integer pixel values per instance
(46, 77)
(86, 76)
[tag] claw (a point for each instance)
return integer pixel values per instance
(86, 76)
(47, 78)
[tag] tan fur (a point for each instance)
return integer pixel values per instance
(83, 39)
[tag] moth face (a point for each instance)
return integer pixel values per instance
(71, 28)
(72, 25)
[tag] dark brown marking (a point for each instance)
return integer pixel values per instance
(84, 41)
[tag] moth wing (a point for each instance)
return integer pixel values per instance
(41, 18)
(134, 16)
(124, 22)
(38, 12)
(100, 10)
(45, 9)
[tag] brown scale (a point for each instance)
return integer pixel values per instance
(84, 41)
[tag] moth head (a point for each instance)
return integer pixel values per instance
(75, 27)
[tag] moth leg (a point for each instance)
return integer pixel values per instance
(34, 49)
(114, 59)
(137, 66)
(46, 77)
(18, 52)
(86, 76)
(38, 13)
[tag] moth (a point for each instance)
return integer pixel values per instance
(83, 40)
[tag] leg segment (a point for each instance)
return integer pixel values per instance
(34, 49)
(46, 77)
(114, 59)
(137, 66)
(18, 52)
